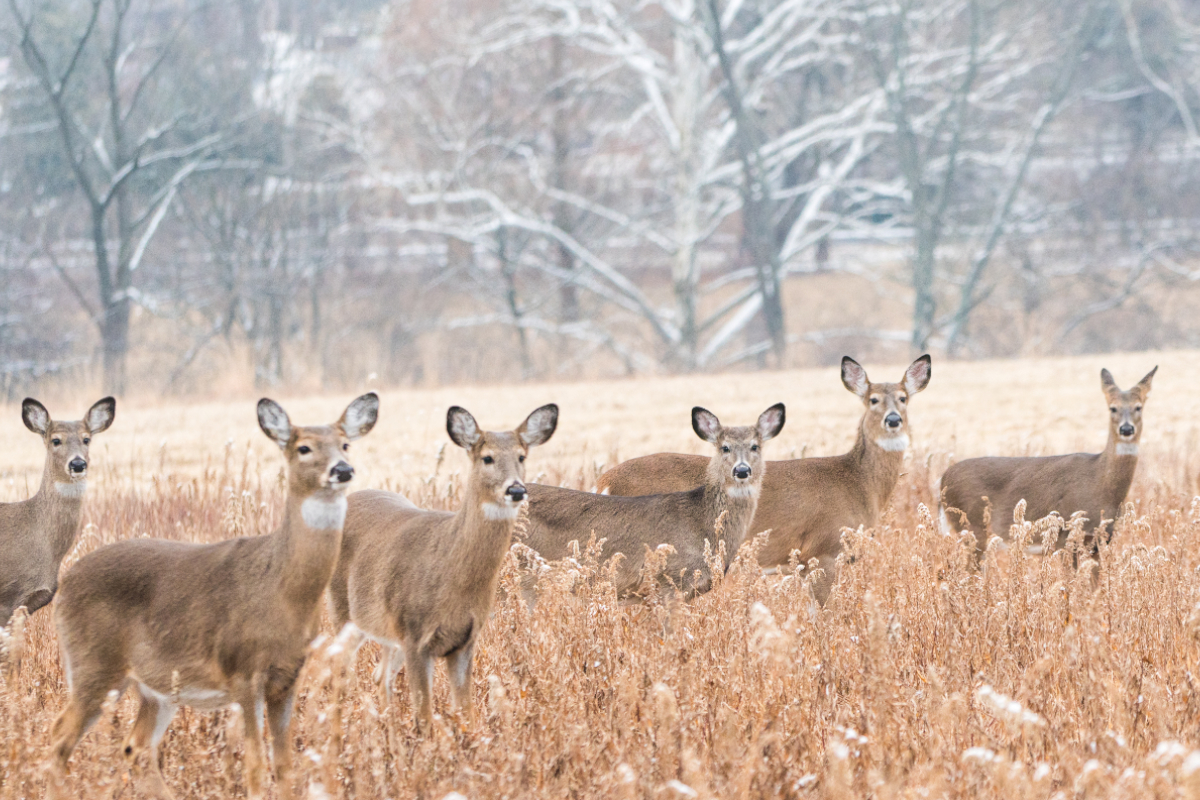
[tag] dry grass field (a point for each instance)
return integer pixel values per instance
(925, 676)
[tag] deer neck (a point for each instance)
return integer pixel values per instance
(879, 468)
(732, 508)
(480, 535)
(1118, 463)
(58, 506)
(308, 543)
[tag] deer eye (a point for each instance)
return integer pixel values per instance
(903, 400)
(521, 459)
(56, 442)
(1113, 409)
(303, 449)
(753, 448)
(1137, 408)
(87, 440)
(346, 447)
(489, 460)
(725, 448)
(874, 401)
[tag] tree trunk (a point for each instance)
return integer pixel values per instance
(924, 302)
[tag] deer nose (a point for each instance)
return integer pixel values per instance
(77, 465)
(1126, 430)
(741, 471)
(341, 472)
(516, 492)
(893, 420)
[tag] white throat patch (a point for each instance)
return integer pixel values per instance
(893, 444)
(324, 515)
(499, 513)
(74, 489)
(742, 491)
(1127, 448)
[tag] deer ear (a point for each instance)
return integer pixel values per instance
(359, 417)
(917, 376)
(101, 415)
(462, 428)
(854, 377)
(539, 426)
(274, 421)
(1107, 383)
(770, 422)
(706, 425)
(35, 416)
(1144, 384)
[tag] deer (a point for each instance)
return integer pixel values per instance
(1094, 483)
(36, 534)
(805, 503)
(694, 522)
(210, 625)
(421, 582)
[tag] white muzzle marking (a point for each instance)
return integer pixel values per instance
(498, 512)
(1127, 448)
(324, 515)
(893, 444)
(741, 491)
(74, 489)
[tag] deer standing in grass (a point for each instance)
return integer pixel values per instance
(1095, 483)
(211, 625)
(723, 504)
(36, 534)
(806, 502)
(422, 583)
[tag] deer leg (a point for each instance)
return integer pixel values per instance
(154, 715)
(279, 718)
(420, 680)
(460, 662)
(251, 702)
(823, 585)
(390, 663)
(82, 711)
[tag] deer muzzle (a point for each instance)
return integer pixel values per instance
(892, 421)
(516, 493)
(741, 471)
(341, 472)
(77, 466)
(1126, 430)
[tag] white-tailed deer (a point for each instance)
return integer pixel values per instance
(723, 504)
(36, 534)
(422, 583)
(1095, 483)
(806, 502)
(211, 625)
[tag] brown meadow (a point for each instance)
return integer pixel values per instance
(925, 676)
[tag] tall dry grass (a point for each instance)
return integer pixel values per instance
(925, 676)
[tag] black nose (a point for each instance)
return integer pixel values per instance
(892, 420)
(341, 472)
(1126, 429)
(741, 471)
(516, 492)
(77, 464)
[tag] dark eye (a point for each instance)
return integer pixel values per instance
(903, 400)
(1113, 409)
(753, 448)
(1137, 408)
(489, 460)
(87, 441)
(303, 449)
(56, 442)
(346, 446)
(874, 401)
(725, 448)
(521, 459)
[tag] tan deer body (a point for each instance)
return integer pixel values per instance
(36, 534)
(1095, 483)
(422, 583)
(214, 624)
(722, 504)
(805, 503)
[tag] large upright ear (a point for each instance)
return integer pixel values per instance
(916, 377)
(706, 425)
(539, 426)
(359, 417)
(854, 377)
(1107, 384)
(770, 422)
(1143, 386)
(35, 416)
(100, 415)
(462, 428)
(274, 421)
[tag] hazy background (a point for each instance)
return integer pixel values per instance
(202, 198)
